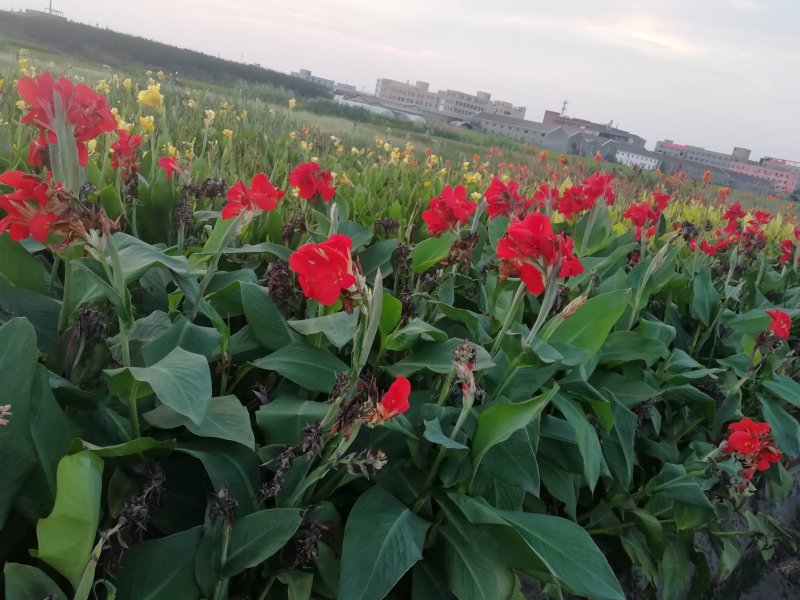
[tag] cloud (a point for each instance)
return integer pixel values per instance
(646, 34)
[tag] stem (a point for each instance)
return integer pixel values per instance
(220, 591)
(133, 410)
(547, 304)
(267, 587)
(589, 226)
(507, 321)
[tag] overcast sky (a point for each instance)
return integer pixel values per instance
(713, 73)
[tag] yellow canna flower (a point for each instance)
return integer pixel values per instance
(224, 105)
(160, 75)
(92, 146)
(476, 196)
(151, 97)
(127, 83)
(292, 103)
(304, 145)
(147, 124)
(103, 87)
(189, 154)
(355, 151)
(272, 112)
(191, 103)
(148, 73)
(210, 116)
(2, 83)
(123, 125)
(228, 134)
(115, 80)
(21, 104)
(292, 134)
(172, 151)
(244, 114)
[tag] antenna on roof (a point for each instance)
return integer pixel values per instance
(564, 107)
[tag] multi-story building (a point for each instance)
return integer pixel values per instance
(531, 132)
(606, 131)
(777, 175)
(452, 103)
(631, 155)
(328, 83)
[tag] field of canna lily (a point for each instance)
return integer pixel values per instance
(250, 357)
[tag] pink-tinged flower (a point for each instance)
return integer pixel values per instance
(502, 199)
(171, 165)
(5, 411)
(312, 181)
(83, 110)
(395, 400)
(32, 208)
(324, 269)
(448, 210)
(781, 324)
(599, 185)
(125, 154)
(260, 196)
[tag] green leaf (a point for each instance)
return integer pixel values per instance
(431, 251)
(382, 540)
(434, 434)
(258, 536)
(111, 201)
(181, 380)
(785, 428)
(589, 327)
(226, 419)
(585, 437)
(20, 267)
(266, 321)
(569, 553)
(391, 312)
(785, 389)
(338, 327)
(312, 368)
(514, 462)
(182, 334)
(137, 446)
(372, 324)
(282, 420)
(378, 256)
(67, 536)
(160, 569)
(621, 347)
(706, 297)
(499, 421)
(417, 329)
(437, 357)
(24, 582)
(228, 464)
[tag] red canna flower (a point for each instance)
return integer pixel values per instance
(83, 109)
(599, 185)
(572, 201)
(171, 165)
(448, 210)
(312, 181)
(260, 196)
(788, 249)
(395, 400)
(752, 442)
(530, 249)
(765, 457)
(125, 153)
(32, 208)
(38, 153)
(661, 201)
(502, 199)
(781, 323)
(324, 269)
(546, 196)
(762, 217)
(735, 211)
(742, 442)
(707, 177)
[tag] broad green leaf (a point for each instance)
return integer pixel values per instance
(622, 347)
(338, 327)
(382, 540)
(378, 256)
(431, 251)
(111, 201)
(67, 536)
(131, 448)
(372, 323)
(499, 421)
(785, 389)
(20, 268)
(437, 357)
(41, 310)
(417, 329)
(391, 312)
(228, 463)
(258, 536)
(585, 437)
(434, 434)
(785, 428)
(514, 462)
(471, 574)
(618, 444)
(282, 420)
(18, 356)
(226, 419)
(589, 327)
(312, 368)
(138, 256)
(160, 569)
(182, 334)
(24, 582)
(181, 380)
(266, 321)
(569, 553)
(706, 297)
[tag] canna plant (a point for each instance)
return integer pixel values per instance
(252, 392)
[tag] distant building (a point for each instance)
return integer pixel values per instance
(631, 155)
(452, 103)
(775, 175)
(531, 132)
(328, 83)
(606, 131)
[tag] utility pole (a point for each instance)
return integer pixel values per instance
(564, 107)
